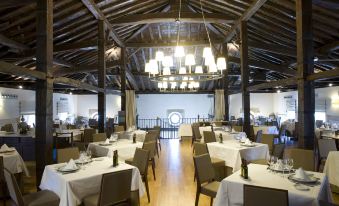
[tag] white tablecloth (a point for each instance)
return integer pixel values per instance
(232, 152)
(231, 188)
(125, 148)
(185, 130)
(266, 129)
(331, 168)
(72, 188)
(329, 133)
(14, 163)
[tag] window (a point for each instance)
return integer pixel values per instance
(320, 116)
(29, 119)
(290, 115)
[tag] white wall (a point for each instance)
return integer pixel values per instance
(87, 102)
(262, 102)
(156, 105)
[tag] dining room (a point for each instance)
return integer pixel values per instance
(169, 102)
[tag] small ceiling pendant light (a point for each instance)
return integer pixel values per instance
(207, 52)
(182, 70)
(164, 85)
(159, 56)
(212, 67)
(166, 71)
(330, 84)
(221, 63)
(179, 51)
(198, 70)
(189, 60)
(168, 61)
(147, 67)
(159, 85)
(154, 66)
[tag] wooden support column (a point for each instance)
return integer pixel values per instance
(225, 85)
(123, 81)
(101, 77)
(44, 87)
(245, 78)
(305, 67)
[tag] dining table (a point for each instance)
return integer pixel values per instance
(72, 188)
(266, 129)
(230, 192)
(232, 151)
(125, 147)
(14, 162)
(185, 130)
(331, 168)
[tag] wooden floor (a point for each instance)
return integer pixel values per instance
(174, 185)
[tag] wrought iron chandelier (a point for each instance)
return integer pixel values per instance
(186, 74)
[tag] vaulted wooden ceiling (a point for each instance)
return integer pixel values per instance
(144, 26)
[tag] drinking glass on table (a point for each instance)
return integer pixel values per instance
(273, 161)
(290, 164)
(89, 154)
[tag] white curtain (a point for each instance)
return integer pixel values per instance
(219, 105)
(130, 109)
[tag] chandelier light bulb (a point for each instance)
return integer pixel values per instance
(182, 86)
(221, 63)
(154, 66)
(164, 85)
(190, 85)
(182, 70)
(179, 51)
(168, 61)
(207, 52)
(147, 67)
(159, 85)
(159, 56)
(212, 67)
(189, 60)
(198, 70)
(196, 84)
(166, 71)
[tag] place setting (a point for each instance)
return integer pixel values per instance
(6, 150)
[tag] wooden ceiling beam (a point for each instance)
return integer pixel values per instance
(171, 44)
(12, 44)
(171, 17)
(334, 73)
(265, 66)
(254, 7)
(84, 68)
(15, 3)
(273, 48)
(77, 84)
(99, 15)
(273, 84)
(328, 48)
(8, 68)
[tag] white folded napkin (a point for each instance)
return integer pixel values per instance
(4, 148)
(71, 165)
(248, 142)
(301, 174)
(322, 127)
(107, 141)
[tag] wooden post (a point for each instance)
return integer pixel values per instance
(123, 82)
(245, 78)
(44, 88)
(101, 77)
(305, 67)
(225, 86)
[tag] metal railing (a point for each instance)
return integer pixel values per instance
(168, 130)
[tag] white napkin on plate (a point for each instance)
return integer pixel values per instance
(70, 165)
(4, 148)
(301, 174)
(247, 142)
(107, 141)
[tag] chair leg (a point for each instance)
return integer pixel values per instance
(157, 148)
(211, 201)
(197, 198)
(153, 168)
(147, 188)
(159, 144)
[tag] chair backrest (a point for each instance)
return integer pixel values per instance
(64, 155)
(255, 195)
(237, 128)
(278, 150)
(203, 167)
(88, 135)
(13, 188)
(99, 137)
(301, 158)
(325, 146)
(119, 128)
(200, 148)
(140, 160)
(282, 131)
(158, 129)
(268, 139)
(258, 136)
(196, 131)
(209, 136)
(115, 187)
(151, 136)
(150, 146)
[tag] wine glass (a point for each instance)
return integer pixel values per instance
(273, 161)
(89, 155)
(290, 164)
